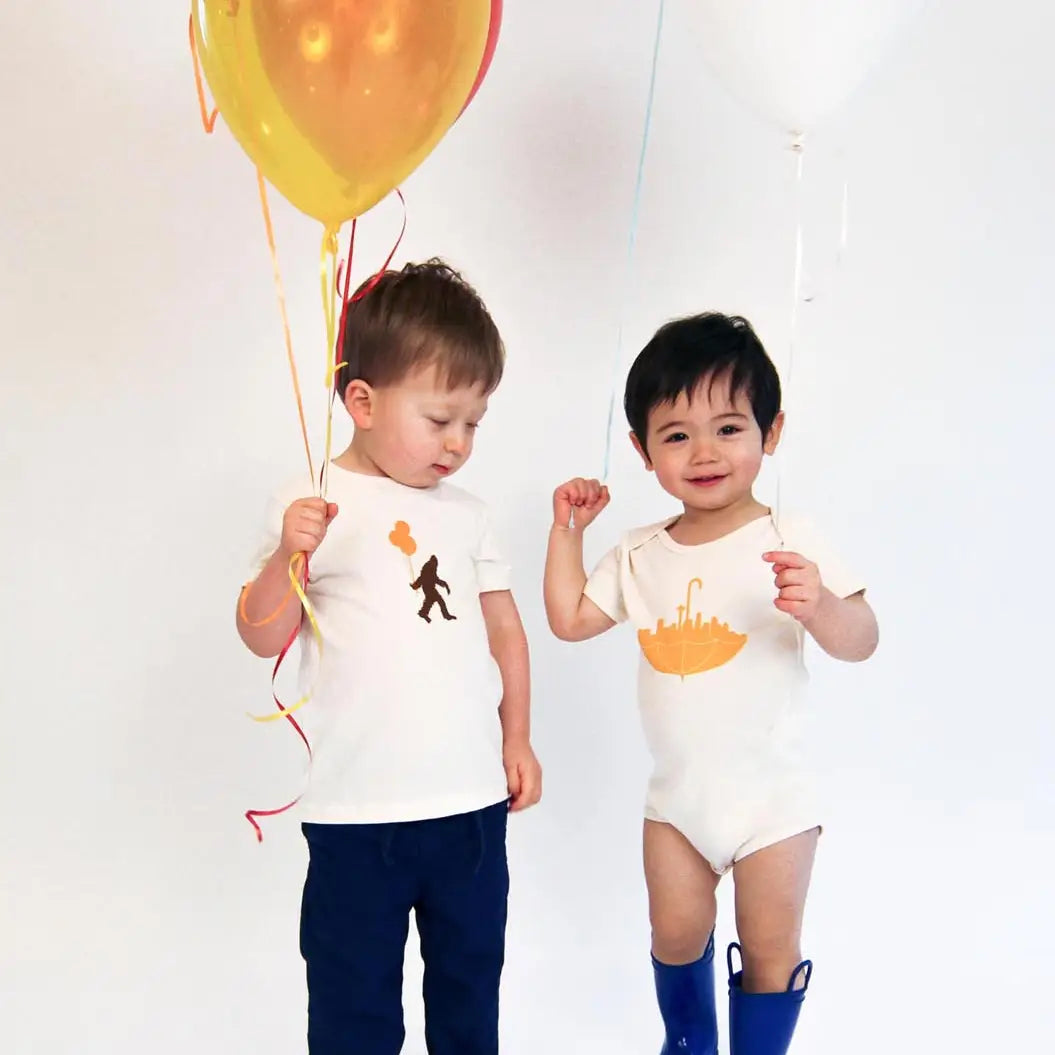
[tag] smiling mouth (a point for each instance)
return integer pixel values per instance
(705, 481)
(442, 469)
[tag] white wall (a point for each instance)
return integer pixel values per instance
(146, 412)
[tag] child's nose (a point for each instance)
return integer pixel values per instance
(703, 450)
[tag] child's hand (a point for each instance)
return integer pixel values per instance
(584, 498)
(304, 525)
(523, 775)
(798, 582)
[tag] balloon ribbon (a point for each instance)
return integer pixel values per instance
(335, 282)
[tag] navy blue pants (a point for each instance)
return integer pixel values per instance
(363, 882)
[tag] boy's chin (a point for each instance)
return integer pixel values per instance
(428, 477)
(710, 499)
(421, 479)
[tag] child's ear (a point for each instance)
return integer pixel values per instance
(639, 447)
(773, 436)
(359, 402)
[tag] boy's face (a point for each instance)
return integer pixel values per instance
(417, 431)
(706, 451)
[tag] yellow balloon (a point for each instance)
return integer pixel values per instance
(338, 101)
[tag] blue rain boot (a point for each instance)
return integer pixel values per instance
(764, 1023)
(686, 1002)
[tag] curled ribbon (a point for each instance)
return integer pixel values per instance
(335, 282)
(208, 119)
(297, 562)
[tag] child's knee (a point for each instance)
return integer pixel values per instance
(679, 940)
(769, 960)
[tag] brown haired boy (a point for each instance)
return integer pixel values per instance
(420, 706)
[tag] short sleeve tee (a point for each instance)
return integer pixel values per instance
(403, 716)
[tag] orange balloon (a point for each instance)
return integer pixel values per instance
(401, 538)
(338, 101)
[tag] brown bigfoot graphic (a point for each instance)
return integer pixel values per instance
(429, 582)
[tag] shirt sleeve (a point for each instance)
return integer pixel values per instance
(493, 572)
(269, 538)
(604, 589)
(837, 575)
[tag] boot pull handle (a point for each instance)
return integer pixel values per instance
(804, 970)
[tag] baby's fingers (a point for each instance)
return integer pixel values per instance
(783, 559)
(600, 497)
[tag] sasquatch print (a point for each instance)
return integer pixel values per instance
(429, 582)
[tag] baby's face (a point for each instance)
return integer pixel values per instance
(707, 450)
(422, 431)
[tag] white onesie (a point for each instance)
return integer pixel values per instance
(721, 680)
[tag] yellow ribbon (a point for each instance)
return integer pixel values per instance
(298, 562)
(328, 282)
(296, 565)
(328, 279)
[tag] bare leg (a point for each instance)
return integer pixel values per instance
(771, 888)
(681, 889)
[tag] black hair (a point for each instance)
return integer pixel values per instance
(686, 352)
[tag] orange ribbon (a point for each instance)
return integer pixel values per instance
(331, 274)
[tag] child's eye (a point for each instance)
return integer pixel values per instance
(729, 430)
(439, 423)
(676, 437)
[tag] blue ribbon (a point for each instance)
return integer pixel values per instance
(635, 213)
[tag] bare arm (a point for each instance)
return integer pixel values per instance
(269, 594)
(846, 628)
(572, 615)
(508, 644)
(269, 610)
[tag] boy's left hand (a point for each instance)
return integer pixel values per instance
(523, 775)
(798, 583)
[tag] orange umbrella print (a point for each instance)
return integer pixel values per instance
(691, 646)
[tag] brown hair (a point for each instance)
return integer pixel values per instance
(422, 315)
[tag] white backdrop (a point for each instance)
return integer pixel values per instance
(146, 413)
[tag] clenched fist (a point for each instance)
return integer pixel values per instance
(304, 525)
(583, 499)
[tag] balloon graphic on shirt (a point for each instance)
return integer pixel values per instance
(691, 646)
(428, 581)
(401, 538)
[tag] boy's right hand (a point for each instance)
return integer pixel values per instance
(304, 525)
(583, 498)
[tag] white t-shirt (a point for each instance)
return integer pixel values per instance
(403, 718)
(721, 667)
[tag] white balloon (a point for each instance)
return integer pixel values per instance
(796, 61)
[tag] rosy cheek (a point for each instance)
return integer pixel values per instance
(414, 437)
